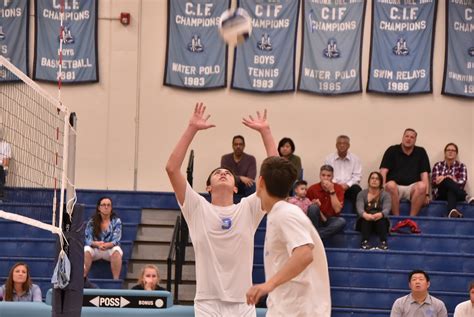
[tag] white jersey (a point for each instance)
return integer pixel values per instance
(464, 309)
(223, 245)
(308, 294)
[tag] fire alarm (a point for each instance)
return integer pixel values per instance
(125, 18)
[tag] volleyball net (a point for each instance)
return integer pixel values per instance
(34, 134)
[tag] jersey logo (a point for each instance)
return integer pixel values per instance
(226, 223)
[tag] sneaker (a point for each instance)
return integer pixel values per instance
(383, 245)
(470, 200)
(365, 245)
(454, 213)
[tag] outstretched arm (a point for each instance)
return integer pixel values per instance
(197, 122)
(261, 125)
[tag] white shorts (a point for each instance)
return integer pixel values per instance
(404, 192)
(218, 308)
(102, 254)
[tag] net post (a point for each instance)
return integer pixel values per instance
(71, 167)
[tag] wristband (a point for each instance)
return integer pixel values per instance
(332, 193)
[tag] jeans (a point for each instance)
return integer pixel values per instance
(326, 229)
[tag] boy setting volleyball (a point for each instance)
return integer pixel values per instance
(222, 232)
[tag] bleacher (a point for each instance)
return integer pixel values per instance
(363, 282)
(37, 247)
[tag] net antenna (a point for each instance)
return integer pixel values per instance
(36, 126)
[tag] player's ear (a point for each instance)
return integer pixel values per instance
(235, 190)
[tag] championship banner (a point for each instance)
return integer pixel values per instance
(266, 61)
(14, 33)
(79, 40)
(196, 56)
(459, 58)
(332, 45)
(401, 51)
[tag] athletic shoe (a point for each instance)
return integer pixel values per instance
(470, 200)
(383, 245)
(365, 245)
(454, 213)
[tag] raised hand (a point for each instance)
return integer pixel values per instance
(260, 123)
(199, 118)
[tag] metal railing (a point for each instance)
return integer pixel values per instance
(179, 242)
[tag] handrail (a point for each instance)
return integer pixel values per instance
(172, 253)
(190, 168)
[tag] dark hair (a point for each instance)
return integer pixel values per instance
(411, 130)
(283, 142)
(451, 144)
(300, 182)
(208, 181)
(9, 284)
(418, 272)
(97, 218)
(238, 137)
(279, 175)
(379, 176)
(471, 285)
(327, 167)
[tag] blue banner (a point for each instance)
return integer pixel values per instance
(14, 33)
(266, 61)
(459, 58)
(401, 52)
(79, 39)
(196, 56)
(332, 45)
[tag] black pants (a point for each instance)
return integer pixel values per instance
(351, 195)
(380, 227)
(451, 192)
(2, 182)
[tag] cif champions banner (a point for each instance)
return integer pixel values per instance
(401, 50)
(196, 56)
(332, 39)
(459, 63)
(266, 61)
(14, 33)
(79, 40)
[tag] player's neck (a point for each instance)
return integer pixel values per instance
(222, 199)
(268, 202)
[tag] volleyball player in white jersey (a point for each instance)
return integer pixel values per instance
(296, 270)
(222, 232)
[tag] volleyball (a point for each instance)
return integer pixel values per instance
(235, 26)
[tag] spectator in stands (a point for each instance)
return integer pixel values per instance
(286, 149)
(5, 156)
(466, 309)
(103, 234)
(347, 169)
(405, 169)
(328, 200)
(300, 199)
(222, 232)
(19, 287)
(448, 179)
(149, 279)
(243, 165)
(419, 302)
(373, 206)
(296, 271)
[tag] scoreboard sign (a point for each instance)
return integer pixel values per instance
(125, 301)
